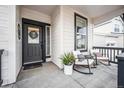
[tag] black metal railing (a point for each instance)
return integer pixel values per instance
(110, 52)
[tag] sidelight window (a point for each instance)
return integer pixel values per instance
(48, 36)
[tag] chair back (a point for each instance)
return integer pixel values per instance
(95, 52)
(76, 53)
(92, 51)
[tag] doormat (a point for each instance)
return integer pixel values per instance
(32, 66)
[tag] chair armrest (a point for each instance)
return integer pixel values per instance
(89, 57)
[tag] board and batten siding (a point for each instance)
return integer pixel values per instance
(7, 42)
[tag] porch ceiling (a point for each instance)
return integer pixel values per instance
(95, 11)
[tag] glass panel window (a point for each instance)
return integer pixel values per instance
(33, 35)
(80, 33)
(116, 29)
(47, 40)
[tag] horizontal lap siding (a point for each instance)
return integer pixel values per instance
(4, 20)
(62, 27)
(68, 29)
(63, 33)
(34, 15)
(56, 37)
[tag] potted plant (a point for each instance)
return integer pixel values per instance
(68, 60)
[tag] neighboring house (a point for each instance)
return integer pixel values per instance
(31, 34)
(110, 33)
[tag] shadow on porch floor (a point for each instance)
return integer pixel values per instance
(50, 76)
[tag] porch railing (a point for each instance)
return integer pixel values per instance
(110, 52)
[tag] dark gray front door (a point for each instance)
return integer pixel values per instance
(32, 43)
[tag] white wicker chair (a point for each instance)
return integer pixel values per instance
(87, 62)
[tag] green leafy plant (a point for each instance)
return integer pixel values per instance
(68, 59)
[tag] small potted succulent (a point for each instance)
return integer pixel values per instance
(68, 60)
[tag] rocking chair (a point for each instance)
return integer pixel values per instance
(83, 60)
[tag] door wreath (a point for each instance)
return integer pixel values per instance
(33, 34)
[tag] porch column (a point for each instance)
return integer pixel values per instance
(1, 52)
(120, 70)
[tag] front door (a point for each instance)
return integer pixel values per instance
(32, 43)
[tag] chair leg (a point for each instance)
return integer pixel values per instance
(89, 66)
(94, 65)
(109, 63)
(96, 59)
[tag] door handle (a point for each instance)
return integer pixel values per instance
(41, 44)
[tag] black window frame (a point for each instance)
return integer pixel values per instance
(75, 31)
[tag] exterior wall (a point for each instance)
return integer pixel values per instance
(7, 42)
(101, 40)
(57, 35)
(105, 33)
(104, 29)
(34, 15)
(68, 29)
(63, 32)
(120, 41)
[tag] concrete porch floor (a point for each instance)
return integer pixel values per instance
(50, 76)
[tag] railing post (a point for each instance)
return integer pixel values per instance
(120, 70)
(1, 81)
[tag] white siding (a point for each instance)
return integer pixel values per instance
(4, 40)
(102, 35)
(68, 29)
(34, 15)
(101, 40)
(7, 42)
(18, 42)
(63, 32)
(57, 36)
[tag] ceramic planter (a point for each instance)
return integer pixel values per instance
(68, 69)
